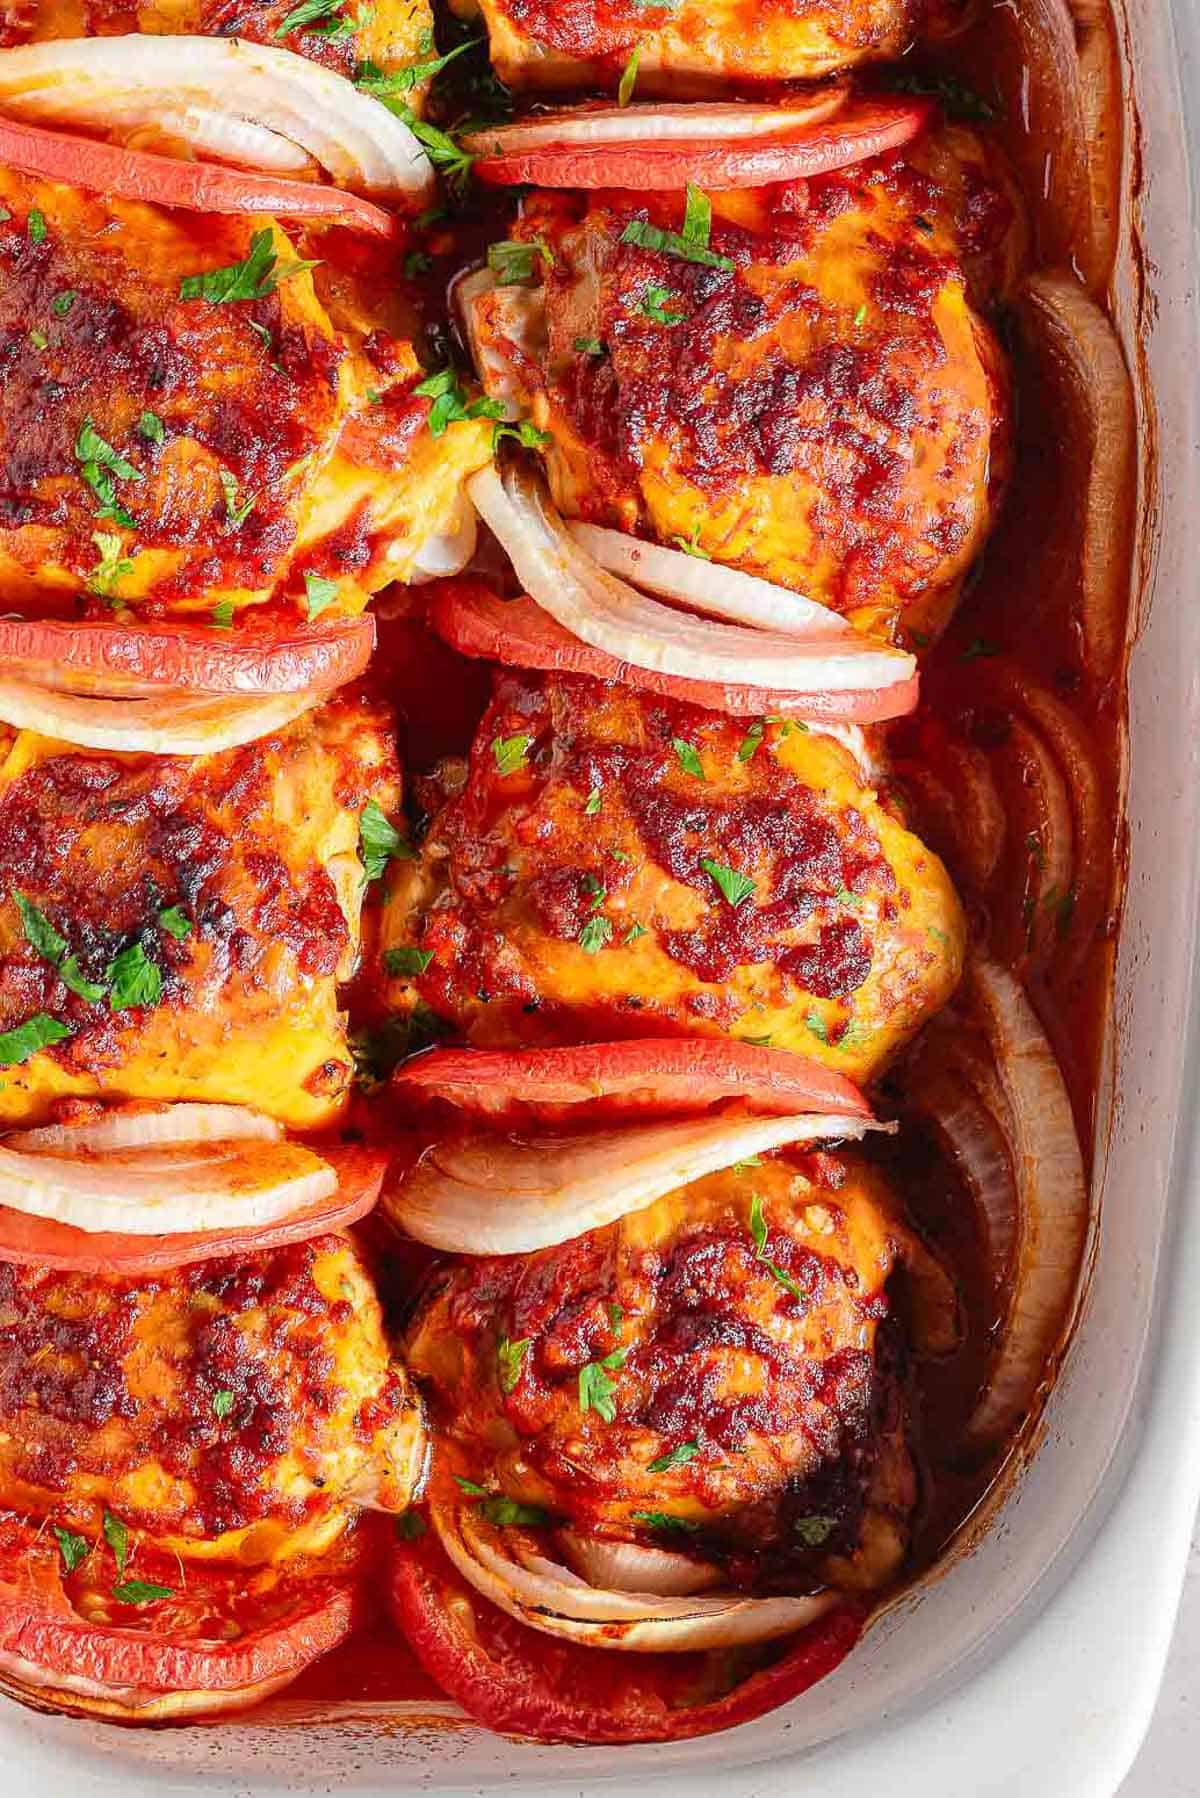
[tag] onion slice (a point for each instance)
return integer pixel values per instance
(485, 1194)
(1053, 1200)
(707, 586)
(148, 1126)
(477, 622)
(660, 1075)
(160, 1191)
(609, 615)
(173, 724)
(528, 1586)
(667, 122)
(631, 1567)
(201, 87)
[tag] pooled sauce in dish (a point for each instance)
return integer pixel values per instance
(516, 899)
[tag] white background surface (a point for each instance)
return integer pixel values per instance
(1169, 1764)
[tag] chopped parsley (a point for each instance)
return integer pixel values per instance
(222, 1403)
(663, 1520)
(385, 86)
(406, 961)
(379, 842)
(815, 1024)
(35, 226)
(62, 302)
(40, 933)
(470, 1487)
(596, 1389)
(629, 75)
(133, 979)
(417, 262)
(677, 1457)
(653, 304)
(37, 1032)
(140, 1591)
(513, 262)
(38, 339)
(151, 427)
(237, 510)
(409, 1525)
(116, 1534)
(506, 1512)
(112, 567)
(257, 275)
(173, 921)
(510, 1358)
(307, 13)
(758, 1230)
(687, 757)
(690, 244)
(735, 888)
(450, 403)
(860, 316)
(595, 935)
(957, 100)
(318, 593)
(101, 467)
(522, 431)
(750, 742)
(589, 346)
(510, 754)
(222, 615)
(634, 932)
(743, 1167)
(811, 1532)
(72, 1548)
(592, 803)
(691, 545)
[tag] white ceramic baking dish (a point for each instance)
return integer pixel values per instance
(1029, 1666)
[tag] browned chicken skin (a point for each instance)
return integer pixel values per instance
(236, 877)
(572, 890)
(234, 1409)
(831, 412)
(729, 1340)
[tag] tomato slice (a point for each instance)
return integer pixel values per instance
(164, 181)
(95, 1641)
(520, 1682)
(125, 661)
(862, 129)
(657, 1076)
(44, 1242)
(477, 622)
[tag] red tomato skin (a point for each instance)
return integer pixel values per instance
(519, 1682)
(163, 181)
(652, 1076)
(864, 129)
(125, 661)
(477, 622)
(43, 1242)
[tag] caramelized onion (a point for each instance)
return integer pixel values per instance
(485, 1194)
(510, 1568)
(1079, 360)
(1052, 1195)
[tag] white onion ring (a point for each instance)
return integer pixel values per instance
(549, 1597)
(609, 615)
(720, 122)
(1053, 1200)
(191, 81)
(172, 724)
(159, 1192)
(483, 1194)
(631, 1567)
(708, 586)
(146, 1126)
